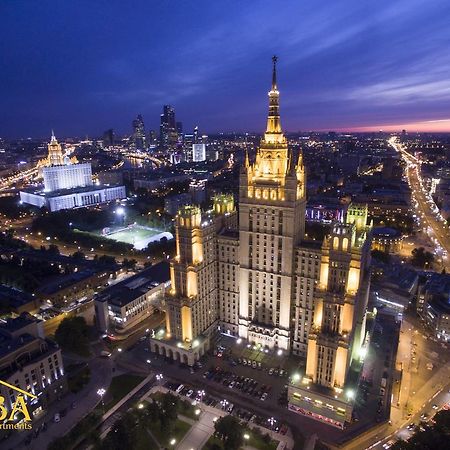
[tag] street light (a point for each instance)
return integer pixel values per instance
(159, 377)
(224, 403)
(201, 394)
(272, 421)
(102, 392)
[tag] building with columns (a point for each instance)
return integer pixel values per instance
(261, 280)
(67, 184)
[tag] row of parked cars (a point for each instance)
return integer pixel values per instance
(277, 371)
(242, 414)
(245, 384)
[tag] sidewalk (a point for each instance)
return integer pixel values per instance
(119, 404)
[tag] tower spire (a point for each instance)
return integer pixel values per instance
(273, 130)
(274, 72)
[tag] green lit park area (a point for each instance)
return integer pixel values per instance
(138, 236)
(230, 434)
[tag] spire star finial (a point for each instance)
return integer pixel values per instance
(274, 73)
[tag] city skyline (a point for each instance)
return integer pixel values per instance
(176, 292)
(364, 68)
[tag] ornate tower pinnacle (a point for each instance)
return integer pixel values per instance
(55, 154)
(274, 133)
(274, 72)
(272, 155)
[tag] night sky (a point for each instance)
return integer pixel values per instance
(82, 66)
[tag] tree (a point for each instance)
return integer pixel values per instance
(421, 258)
(72, 335)
(442, 421)
(53, 249)
(122, 435)
(152, 410)
(129, 264)
(381, 256)
(105, 260)
(230, 431)
(435, 437)
(79, 256)
(168, 414)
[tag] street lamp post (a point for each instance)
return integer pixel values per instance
(102, 392)
(201, 393)
(224, 403)
(159, 377)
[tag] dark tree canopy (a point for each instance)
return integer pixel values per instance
(72, 335)
(230, 431)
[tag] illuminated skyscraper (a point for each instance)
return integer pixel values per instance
(272, 222)
(168, 129)
(55, 154)
(138, 137)
(108, 138)
(265, 282)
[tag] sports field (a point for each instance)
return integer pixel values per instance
(137, 235)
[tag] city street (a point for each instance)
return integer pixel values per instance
(425, 208)
(420, 388)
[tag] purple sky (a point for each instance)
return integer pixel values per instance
(83, 66)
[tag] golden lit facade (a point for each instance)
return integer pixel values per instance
(192, 308)
(263, 281)
(337, 331)
(55, 153)
(271, 223)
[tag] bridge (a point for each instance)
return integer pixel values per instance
(156, 161)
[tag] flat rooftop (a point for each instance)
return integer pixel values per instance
(132, 288)
(13, 297)
(67, 280)
(76, 190)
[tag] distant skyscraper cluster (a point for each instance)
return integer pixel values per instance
(139, 139)
(168, 134)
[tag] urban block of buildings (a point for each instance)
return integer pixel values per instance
(124, 305)
(68, 185)
(433, 305)
(262, 281)
(30, 362)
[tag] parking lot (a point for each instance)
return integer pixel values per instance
(216, 372)
(198, 396)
